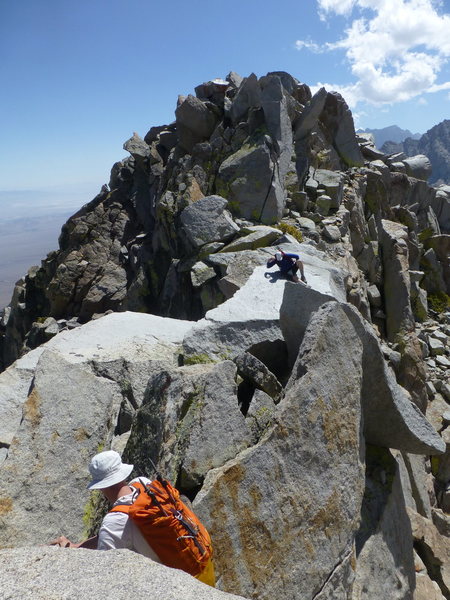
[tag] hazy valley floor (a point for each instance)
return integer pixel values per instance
(24, 242)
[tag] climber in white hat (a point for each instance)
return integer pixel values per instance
(109, 475)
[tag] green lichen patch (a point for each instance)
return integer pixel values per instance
(94, 511)
(291, 229)
(439, 302)
(196, 359)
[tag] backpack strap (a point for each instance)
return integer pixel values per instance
(125, 508)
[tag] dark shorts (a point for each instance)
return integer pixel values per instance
(292, 271)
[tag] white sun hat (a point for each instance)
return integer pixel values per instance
(107, 469)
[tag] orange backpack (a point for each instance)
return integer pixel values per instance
(169, 526)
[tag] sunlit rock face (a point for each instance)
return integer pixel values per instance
(299, 417)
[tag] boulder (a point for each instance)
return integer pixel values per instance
(441, 521)
(118, 345)
(441, 247)
(384, 545)
(274, 105)
(332, 233)
(234, 79)
(391, 420)
(257, 297)
(433, 281)
(371, 153)
(411, 370)
(107, 291)
(125, 336)
(426, 588)
(249, 180)
(42, 332)
(417, 483)
(260, 414)
(201, 273)
(257, 236)
(213, 90)
(337, 119)
(189, 423)
(440, 203)
(433, 548)
(43, 573)
(195, 122)
(64, 423)
(15, 385)
(252, 369)
(250, 317)
(84, 382)
(323, 204)
(325, 283)
(418, 166)
(374, 296)
(308, 119)
(137, 147)
(270, 501)
(248, 96)
(207, 221)
(399, 316)
(332, 183)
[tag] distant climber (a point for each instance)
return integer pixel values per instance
(118, 530)
(288, 264)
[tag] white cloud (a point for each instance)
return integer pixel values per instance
(422, 101)
(300, 44)
(340, 7)
(396, 50)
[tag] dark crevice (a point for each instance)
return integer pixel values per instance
(190, 493)
(187, 486)
(245, 393)
(274, 355)
(432, 564)
(333, 571)
(275, 167)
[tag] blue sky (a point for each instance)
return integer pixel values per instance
(79, 77)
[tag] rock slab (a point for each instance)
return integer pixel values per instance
(275, 525)
(60, 574)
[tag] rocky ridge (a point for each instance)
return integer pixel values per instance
(308, 424)
(435, 144)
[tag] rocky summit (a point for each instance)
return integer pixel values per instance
(307, 423)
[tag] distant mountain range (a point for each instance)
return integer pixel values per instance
(393, 133)
(435, 144)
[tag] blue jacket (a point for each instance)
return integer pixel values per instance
(285, 264)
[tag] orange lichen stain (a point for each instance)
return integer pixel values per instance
(340, 427)
(329, 518)
(6, 505)
(316, 410)
(256, 496)
(339, 424)
(55, 436)
(227, 559)
(307, 545)
(81, 434)
(31, 408)
(194, 191)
